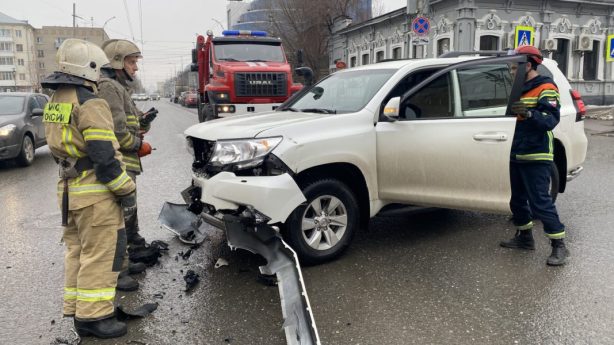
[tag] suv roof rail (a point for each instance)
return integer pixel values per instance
(477, 52)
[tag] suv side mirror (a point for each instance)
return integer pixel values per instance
(37, 112)
(391, 110)
(306, 73)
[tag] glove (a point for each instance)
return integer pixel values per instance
(128, 204)
(148, 117)
(145, 149)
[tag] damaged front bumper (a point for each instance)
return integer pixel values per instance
(245, 207)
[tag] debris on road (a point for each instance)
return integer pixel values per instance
(191, 279)
(221, 262)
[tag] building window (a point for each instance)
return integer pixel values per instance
(5, 32)
(365, 59)
(40, 53)
(591, 58)
(379, 56)
(6, 60)
(353, 61)
(17, 33)
(22, 76)
(443, 46)
(39, 40)
(41, 65)
(6, 75)
(6, 46)
(19, 47)
(20, 62)
(396, 53)
(560, 54)
(488, 42)
(58, 42)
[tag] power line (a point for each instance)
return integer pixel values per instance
(129, 21)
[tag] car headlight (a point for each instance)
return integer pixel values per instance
(7, 130)
(243, 153)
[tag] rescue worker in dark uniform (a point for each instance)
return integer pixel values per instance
(93, 184)
(130, 123)
(532, 158)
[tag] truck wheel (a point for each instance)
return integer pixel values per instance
(554, 182)
(26, 155)
(322, 228)
(209, 112)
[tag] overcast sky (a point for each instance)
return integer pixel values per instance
(168, 32)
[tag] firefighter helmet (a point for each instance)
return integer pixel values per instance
(81, 58)
(117, 50)
(534, 54)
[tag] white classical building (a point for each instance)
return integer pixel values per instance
(572, 32)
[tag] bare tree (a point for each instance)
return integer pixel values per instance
(307, 25)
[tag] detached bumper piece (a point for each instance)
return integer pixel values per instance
(243, 232)
(178, 219)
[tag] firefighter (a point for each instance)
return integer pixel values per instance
(130, 125)
(537, 114)
(93, 184)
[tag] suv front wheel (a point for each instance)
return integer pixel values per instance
(322, 228)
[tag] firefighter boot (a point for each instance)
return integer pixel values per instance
(135, 240)
(105, 328)
(559, 254)
(126, 282)
(136, 267)
(522, 240)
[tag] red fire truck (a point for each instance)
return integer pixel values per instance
(240, 72)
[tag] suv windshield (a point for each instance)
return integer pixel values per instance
(11, 105)
(248, 52)
(342, 92)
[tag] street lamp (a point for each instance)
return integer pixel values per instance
(218, 23)
(105, 23)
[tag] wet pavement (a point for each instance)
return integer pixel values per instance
(432, 278)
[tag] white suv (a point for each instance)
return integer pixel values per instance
(428, 132)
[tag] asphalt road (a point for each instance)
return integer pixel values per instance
(431, 278)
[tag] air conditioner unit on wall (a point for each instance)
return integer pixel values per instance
(550, 44)
(584, 43)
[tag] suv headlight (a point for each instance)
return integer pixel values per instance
(243, 153)
(7, 130)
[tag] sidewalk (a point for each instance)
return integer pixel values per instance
(599, 118)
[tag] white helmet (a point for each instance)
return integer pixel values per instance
(118, 49)
(81, 58)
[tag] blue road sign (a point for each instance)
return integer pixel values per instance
(524, 36)
(421, 26)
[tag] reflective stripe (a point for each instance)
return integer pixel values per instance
(527, 226)
(127, 141)
(556, 236)
(536, 157)
(95, 295)
(82, 189)
(550, 142)
(131, 120)
(98, 134)
(119, 181)
(71, 149)
(70, 293)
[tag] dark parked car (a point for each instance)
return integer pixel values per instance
(21, 125)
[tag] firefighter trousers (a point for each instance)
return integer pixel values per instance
(531, 198)
(131, 221)
(95, 247)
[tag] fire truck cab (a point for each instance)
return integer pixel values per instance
(240, 72)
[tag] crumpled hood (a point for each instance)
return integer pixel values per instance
(248, 125)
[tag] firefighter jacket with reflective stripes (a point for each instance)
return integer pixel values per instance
(79, 125)
(533, 139)
(126, 120)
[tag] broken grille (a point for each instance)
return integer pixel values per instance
(256, 84)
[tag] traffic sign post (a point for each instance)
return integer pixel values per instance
(421, 26)
(524, 36)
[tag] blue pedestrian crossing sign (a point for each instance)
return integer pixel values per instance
(525, 36)
(610, 49)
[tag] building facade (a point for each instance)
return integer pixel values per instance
(27, 54)
(572, 32)
(17, 55)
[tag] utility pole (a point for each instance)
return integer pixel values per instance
(74, 19)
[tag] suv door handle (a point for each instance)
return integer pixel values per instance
(490, 136)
